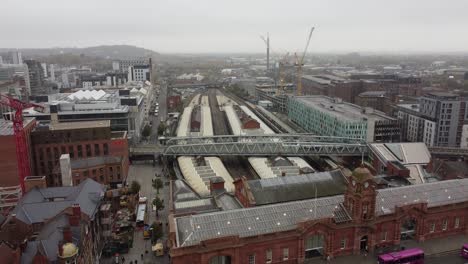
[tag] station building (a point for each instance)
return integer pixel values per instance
(363, 218)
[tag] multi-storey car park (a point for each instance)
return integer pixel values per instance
(198, 171)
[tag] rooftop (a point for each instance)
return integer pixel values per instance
(6, 127)
(94, 161)
(248, 222)
(38, 205)
(406, 153)
(293, 188)
(342, 110)
(373, 94)
(78, 125)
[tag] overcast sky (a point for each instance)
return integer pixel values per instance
(192, 26)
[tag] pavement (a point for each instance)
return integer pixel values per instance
(438, 251)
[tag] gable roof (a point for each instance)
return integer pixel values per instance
(293, 188)
(41, 204)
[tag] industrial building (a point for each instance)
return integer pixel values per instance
(295, 232)
(439, 119)
(81, 141)
(327, 116)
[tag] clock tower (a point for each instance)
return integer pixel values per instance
(360, 195)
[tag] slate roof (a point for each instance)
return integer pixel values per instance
(293, 188)
(41, 204)
(247, 222)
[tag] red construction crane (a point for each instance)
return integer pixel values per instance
(20, 138)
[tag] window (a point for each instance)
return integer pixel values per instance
(80, 151)
(384, 236)
(343, 243)
(97, 151)
(71, 152)
(444, 225)
(101, 178)
(457, 222)
(285, 253)
(252, 259)
(85, 173)
(106, 149)
(269, 255)
(88, 150)
(63, 150)
(432, 227)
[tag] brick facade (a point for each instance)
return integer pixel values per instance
(365, 230)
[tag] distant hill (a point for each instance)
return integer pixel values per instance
(111, 52)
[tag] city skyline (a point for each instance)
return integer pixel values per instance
(235, 26)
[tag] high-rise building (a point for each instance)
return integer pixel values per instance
(439, 119)
(16, 57)
(139, 73)
(36, 77)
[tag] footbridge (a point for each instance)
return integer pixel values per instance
(265, 145)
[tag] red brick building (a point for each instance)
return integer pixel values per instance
(79, 139)
(9, 177)
(105, 170)
(293, 232)
(173, 101)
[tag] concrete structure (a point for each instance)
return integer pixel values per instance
(378, 100)
(10, 190)
(56, 225)
(139, 73)
(405, 160)
(36, 77)
(295, 232)
(65, 170)
(122, 65)
(80, 140)
(323, 115)
(440, 119)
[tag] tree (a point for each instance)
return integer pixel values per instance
(161, 128)
(146, 131)
(159, 203)
(157, 184)
(157, 231)
(135, 187)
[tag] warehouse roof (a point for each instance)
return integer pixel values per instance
(6, 127)
(406, 153)
(248, 222)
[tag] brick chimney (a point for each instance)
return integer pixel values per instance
(31, 182)
(60, 248)
(67, 235)
(75, 218)
(216, 185)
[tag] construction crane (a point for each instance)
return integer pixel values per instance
(20, 138)
(300, 63)
(267, 43)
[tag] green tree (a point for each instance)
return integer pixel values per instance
(135, 187)
(157, 231)
(146, 131)
(159, 203)
(157, 184)
(161, 128)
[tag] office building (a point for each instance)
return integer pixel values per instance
(439, 119)
(36, 77)
(363, 218)
(327, 116)
(82, 141)
(139, 73)
(122, 65)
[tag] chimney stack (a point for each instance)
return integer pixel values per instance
(60, 248)
(216, 185)
(32, 182)
(67, 235)
(65, 170)
(75, 218)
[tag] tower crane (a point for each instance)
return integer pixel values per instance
(300, 63)
(20, 138)
(281, 63)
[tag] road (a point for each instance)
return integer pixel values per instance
(143, 174)
(162, 100)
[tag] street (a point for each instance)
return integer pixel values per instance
(162, 113)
